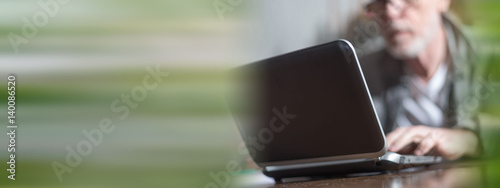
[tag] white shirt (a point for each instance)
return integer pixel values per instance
(425, 103)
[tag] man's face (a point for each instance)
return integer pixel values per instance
(409, 25)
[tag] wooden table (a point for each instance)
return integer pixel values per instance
(457, 174)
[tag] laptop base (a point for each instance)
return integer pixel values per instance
(389, 162)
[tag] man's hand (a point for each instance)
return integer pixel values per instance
(449, 143)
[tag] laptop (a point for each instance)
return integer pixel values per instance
(310, 113)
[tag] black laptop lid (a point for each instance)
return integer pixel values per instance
(307, 104)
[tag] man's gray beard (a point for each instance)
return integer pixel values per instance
(409, 52)
(416, 46)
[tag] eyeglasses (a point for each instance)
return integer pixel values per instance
(377, 6)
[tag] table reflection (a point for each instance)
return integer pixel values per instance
(446, 175)
(453, 177)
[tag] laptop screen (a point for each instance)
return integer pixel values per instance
(308, 104)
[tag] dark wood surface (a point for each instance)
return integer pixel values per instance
(456, 174)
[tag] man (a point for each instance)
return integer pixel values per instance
(422, 79)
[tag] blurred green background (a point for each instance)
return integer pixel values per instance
(91, 52)
(484, 16)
